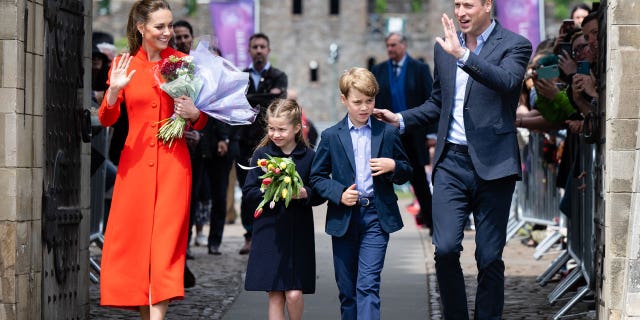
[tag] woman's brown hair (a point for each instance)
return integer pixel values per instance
(139, 13)
(284, 108)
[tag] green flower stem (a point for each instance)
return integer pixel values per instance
(171, 129)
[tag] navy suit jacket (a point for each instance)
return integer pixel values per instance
(334, 170)
(417, 89)
(495, 80)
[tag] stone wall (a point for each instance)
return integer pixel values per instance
(21, 157)
(296, 40)
(22, 70)
(621, 286)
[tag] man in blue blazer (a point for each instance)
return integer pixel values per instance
(477, 78)
(356, 164)
(406, 83)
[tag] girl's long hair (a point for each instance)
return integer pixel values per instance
(139, 13)
(284, 108)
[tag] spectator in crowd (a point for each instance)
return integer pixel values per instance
(585, 95)
(266, 83)
(214, 143)
(578, 13)
(183, 41)
(183, 36)
(406, 83)
(143, 258)
(478, 77)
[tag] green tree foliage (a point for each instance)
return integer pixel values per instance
(381, 6)
(416, 6)
(562, 8)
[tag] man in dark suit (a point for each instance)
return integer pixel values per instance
(478, 74)
(406, 83)
(266, 83)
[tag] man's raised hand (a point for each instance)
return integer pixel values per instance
(450, 43)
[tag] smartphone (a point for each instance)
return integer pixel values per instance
(583, 67)
(567, 25)
(548, 72)
(564, 46)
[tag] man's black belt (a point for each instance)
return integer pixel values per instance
(457, 147)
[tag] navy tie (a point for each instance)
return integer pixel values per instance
(395, 68)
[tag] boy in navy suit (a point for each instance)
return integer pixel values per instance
(356, 164)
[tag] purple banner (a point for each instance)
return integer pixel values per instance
(232, 23)
(522, 17)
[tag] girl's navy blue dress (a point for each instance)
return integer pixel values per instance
(282, 255)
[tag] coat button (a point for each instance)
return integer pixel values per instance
(151, 163)
(154, 105)
(152, 144)
(153, 125)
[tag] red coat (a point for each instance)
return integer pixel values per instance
(146, 234)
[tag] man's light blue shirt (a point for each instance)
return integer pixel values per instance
(456, 132)
(399, 65)
(361, 142)
(257, 75)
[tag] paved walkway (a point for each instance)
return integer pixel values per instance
(409, 289)
(403, 289)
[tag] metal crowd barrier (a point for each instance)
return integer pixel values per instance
(100, 152)
(536, 198)
(581, 238)
(537, 201)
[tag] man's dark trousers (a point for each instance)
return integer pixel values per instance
(458, 191)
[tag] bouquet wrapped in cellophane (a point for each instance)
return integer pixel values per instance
(179, 78)
(213, 83)
(280, 181)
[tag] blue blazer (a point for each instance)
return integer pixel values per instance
(495, 80)
(334, 170)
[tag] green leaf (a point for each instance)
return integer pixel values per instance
(289, 193)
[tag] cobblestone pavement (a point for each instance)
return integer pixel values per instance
(524, 297)
(218, 282)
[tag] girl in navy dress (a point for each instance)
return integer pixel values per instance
(282, 256)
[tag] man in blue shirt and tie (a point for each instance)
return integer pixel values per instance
(406, 83)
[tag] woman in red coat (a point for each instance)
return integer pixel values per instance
(146, 237)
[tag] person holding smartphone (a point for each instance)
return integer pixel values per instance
(580, 54)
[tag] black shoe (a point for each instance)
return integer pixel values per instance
(214, 250)
(190, 255)
(189, 278)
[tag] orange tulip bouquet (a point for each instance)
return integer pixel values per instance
(280, 181)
